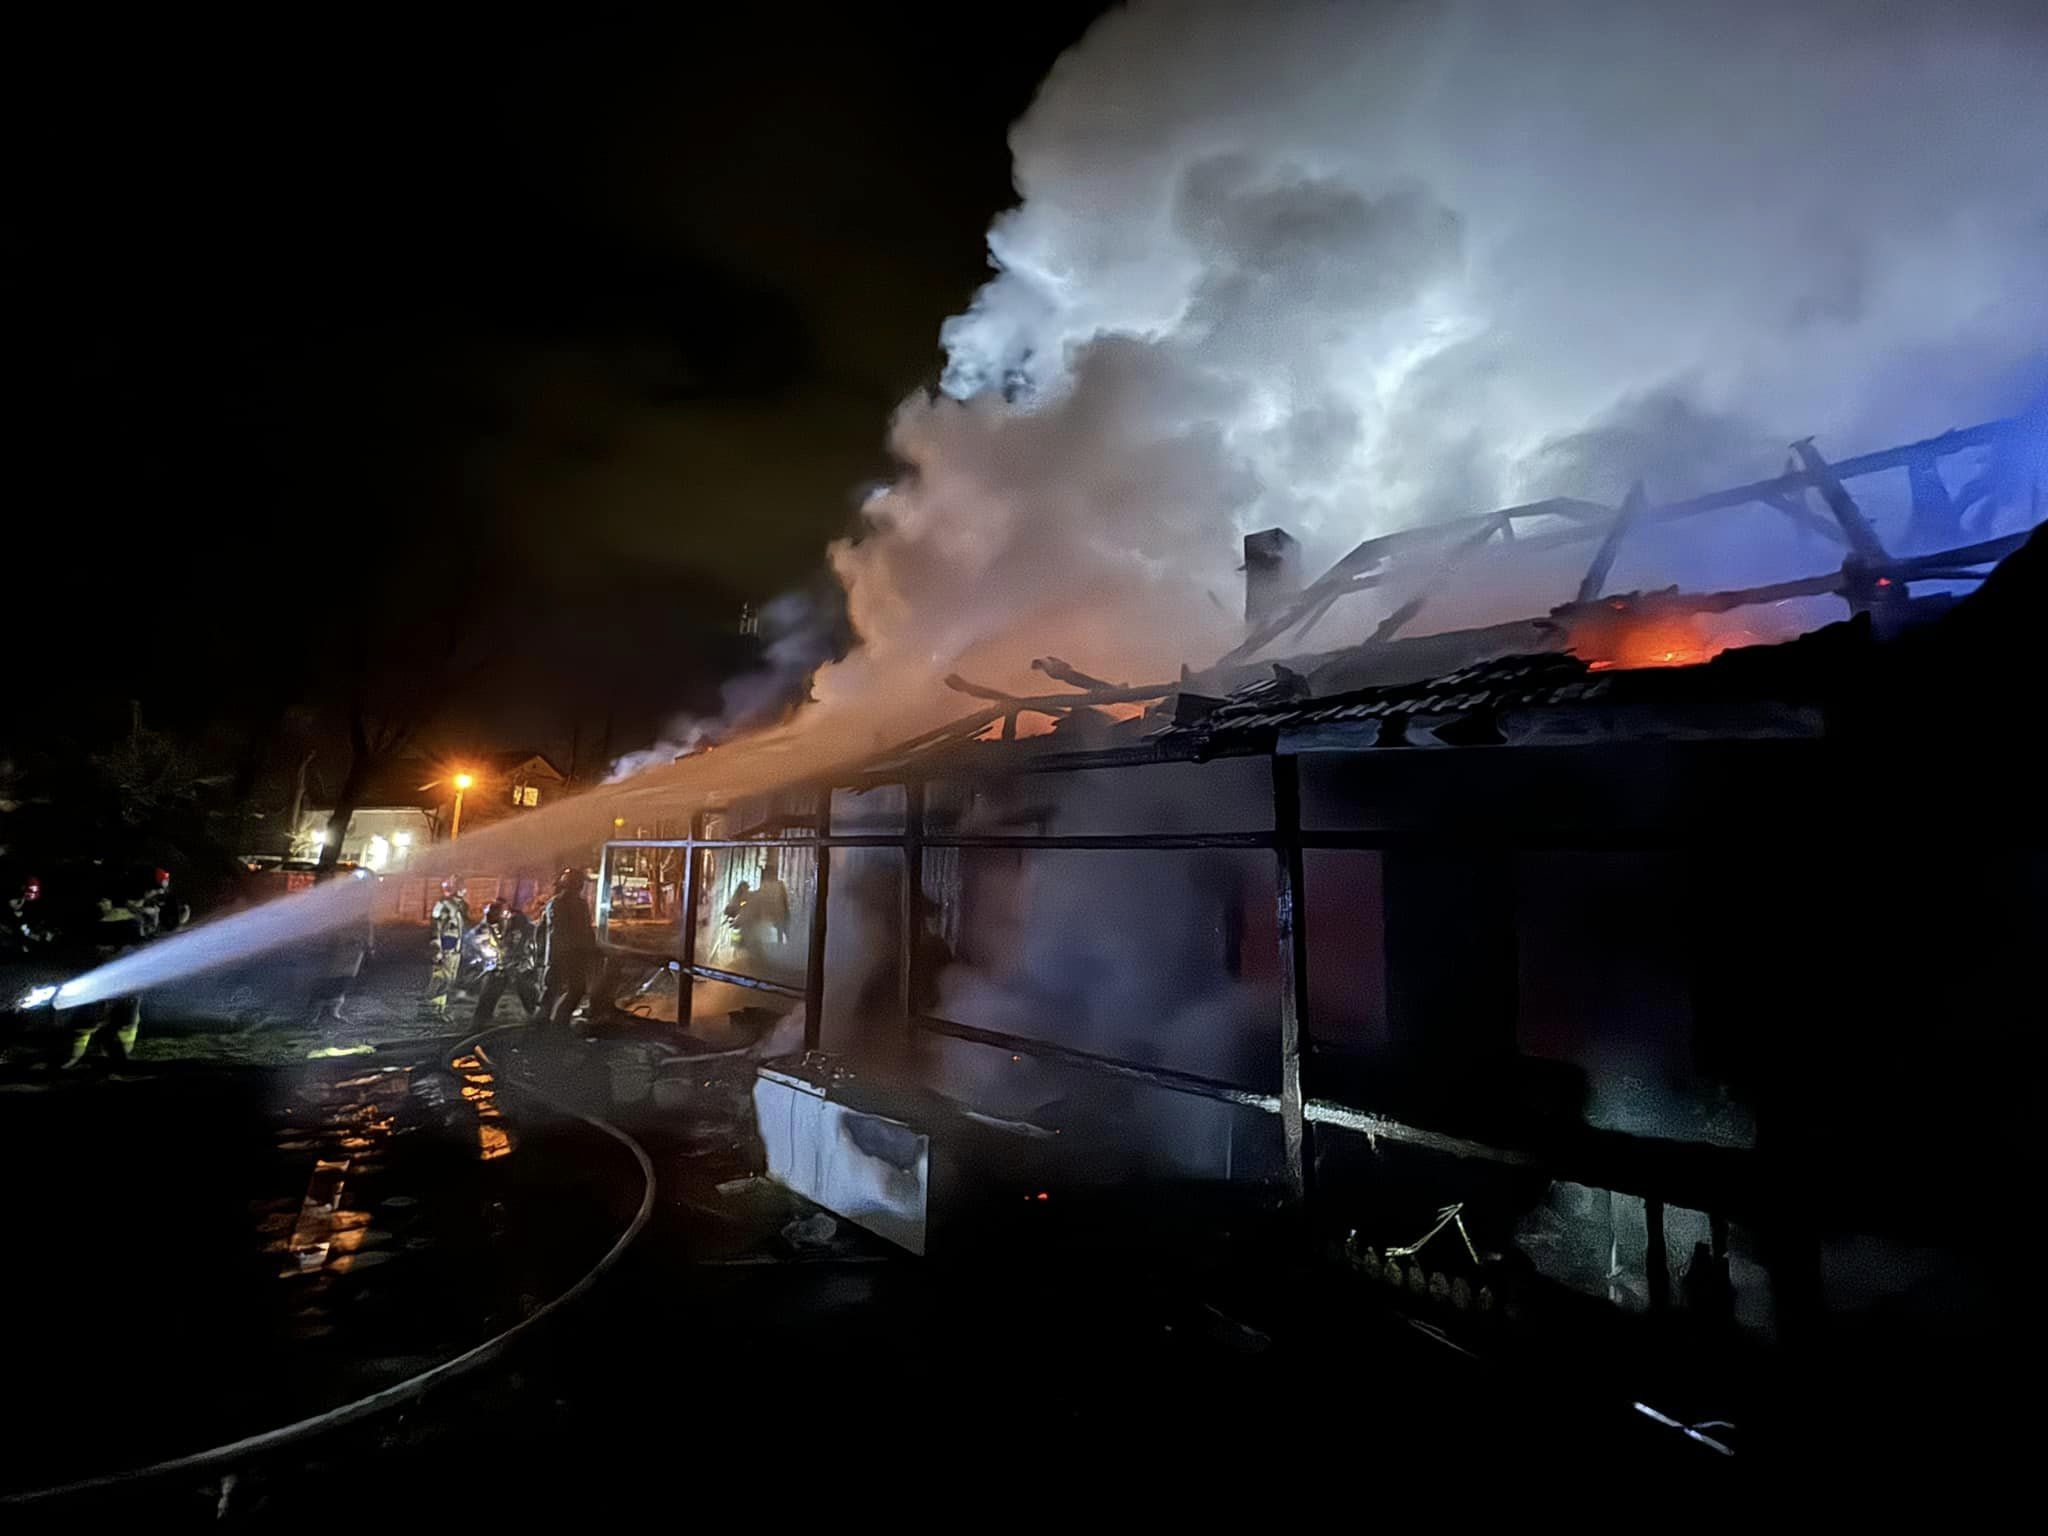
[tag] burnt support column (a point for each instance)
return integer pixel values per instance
(821, 894)
(604, 888)
(1656, 1264)
(1296, 1145)
(686, 942)
(911, 913)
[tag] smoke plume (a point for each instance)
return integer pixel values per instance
(800, 632)
(1350, 267)
(1345, 268)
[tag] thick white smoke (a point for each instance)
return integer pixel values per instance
(799, 634)
(1345, 268)
(1349, 267)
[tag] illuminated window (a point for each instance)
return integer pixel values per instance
(529, 795)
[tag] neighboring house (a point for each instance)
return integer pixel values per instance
(409, 803)
(515, 781)
(379, 837)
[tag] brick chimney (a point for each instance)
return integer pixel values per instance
(1272, 573)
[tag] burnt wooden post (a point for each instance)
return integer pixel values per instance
(911, 911)
(1656, 1264)
(687, 941)
(821, 890)
(1293, 957)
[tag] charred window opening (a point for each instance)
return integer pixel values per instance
(754, 911)
(1159, 958)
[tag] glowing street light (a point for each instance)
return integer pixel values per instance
(461, 781)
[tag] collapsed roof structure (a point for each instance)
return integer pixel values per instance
(1597, 630)
(1612, 990)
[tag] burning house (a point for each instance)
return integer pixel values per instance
(1656, 951)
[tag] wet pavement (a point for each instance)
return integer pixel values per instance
(202, 1253)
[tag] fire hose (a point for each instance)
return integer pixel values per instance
(221, 1459)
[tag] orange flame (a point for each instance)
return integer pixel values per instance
(1618, 636)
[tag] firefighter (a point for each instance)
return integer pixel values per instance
(504, 944)
(119, 929)
(738, 921)
(160, 911)
(28, 926)
(771, 901)
(568, 950)
(450, 921)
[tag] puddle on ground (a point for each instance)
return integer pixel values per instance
(338, 1122)
(480, 1091)
(345, 1224)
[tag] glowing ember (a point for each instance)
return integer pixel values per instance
(1620, 635)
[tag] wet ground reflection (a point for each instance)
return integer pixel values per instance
(480, 1092)
(213, 1253)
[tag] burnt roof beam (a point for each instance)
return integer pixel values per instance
(1066, 672)
(1050, 703)
(1793, 505)
(1864, 543)
(1603, 558)
(1778, 492)
(1394, 622)
(1366, 559)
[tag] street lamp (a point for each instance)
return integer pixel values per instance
(461, 781)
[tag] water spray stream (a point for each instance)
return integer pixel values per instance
(826, 740)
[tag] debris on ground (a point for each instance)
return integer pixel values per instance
(811, 1232)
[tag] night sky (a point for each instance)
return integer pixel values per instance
(331, 346)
